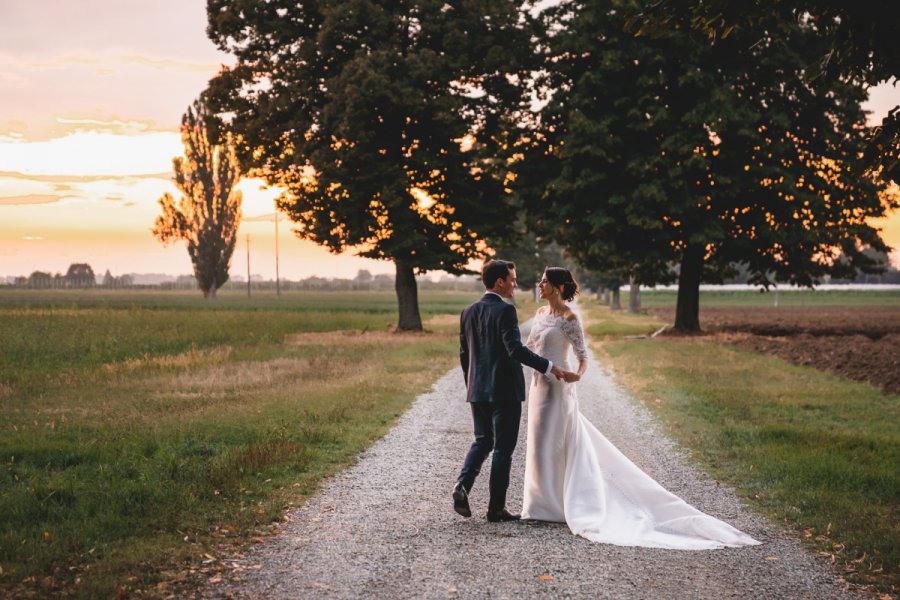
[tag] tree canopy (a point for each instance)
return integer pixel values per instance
(666, 149)
(389, 124)
(858, 42)
(209, 211)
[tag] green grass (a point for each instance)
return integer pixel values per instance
(808, 448)
(57, 335)
(794, 297)
(143, 430)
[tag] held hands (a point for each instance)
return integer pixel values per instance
(571, 377)
(562, 375)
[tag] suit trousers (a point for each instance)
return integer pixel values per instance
(497, 430)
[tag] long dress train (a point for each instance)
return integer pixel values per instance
(573, 474)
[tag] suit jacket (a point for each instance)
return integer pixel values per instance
(491, 352)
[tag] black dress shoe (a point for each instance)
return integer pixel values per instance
(502, 515)
(461, 500)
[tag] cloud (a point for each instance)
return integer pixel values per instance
(11, 137)
(30, 199)
(124, 192)
(66, 180)
(93, 153)
(169, 64)
(115, 126)
(104, 60)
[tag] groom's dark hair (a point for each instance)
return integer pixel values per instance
(494, 270)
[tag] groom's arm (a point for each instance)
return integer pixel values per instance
(463, 348)
(512, 341)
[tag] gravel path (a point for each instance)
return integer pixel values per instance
(385, 528)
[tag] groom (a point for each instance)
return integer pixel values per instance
(490, 352)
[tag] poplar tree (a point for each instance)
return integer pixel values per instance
(208, 213)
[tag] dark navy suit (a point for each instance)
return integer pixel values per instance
(491, 354)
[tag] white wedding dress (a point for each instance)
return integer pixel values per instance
(573, 474)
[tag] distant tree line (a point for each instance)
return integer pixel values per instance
(81, 275)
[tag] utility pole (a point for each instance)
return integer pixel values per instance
(248, 265)
(277, 278)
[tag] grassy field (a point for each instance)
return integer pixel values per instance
(145, 432)
(142, 431)
(809, 449)
(790, 297)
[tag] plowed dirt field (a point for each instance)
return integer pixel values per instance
(858, 342)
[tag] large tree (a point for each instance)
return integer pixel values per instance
(857, 38)
(388, 123)
(208, 213)
(858, 41)
(671, 150)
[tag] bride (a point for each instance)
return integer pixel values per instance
(573, 474)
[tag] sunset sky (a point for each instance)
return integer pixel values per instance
(92, 93)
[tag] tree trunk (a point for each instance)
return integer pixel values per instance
(687, 307)
(606, 296)
(211, 294)
(634, 297)
(407, 297)
(616, 305)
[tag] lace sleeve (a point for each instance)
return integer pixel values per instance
(575, 334)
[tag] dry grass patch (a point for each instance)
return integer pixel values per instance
(443, 321)
(238, 376)
(182, 360)
(353, 337)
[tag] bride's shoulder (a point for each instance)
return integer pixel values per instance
(571, 316)
(542, 310)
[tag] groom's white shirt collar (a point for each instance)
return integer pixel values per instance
(486, 292)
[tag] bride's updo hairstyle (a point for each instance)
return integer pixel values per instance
(557, 276)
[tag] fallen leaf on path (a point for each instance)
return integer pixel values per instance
(545, 578)
(451, 590)
(771, 558)
(217, 578)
